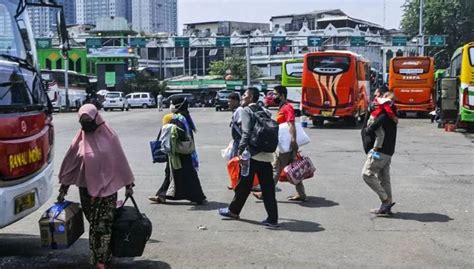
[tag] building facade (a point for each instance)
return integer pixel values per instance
(87, 11)
(43, 20)
(155, 16)
(223, 28)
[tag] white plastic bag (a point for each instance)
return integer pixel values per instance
(227, 152)
(284, 137)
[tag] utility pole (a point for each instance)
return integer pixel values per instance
(248, 60)
(420, 32)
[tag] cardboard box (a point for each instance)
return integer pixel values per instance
(61, 225)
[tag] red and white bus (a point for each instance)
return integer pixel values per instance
(26, 128)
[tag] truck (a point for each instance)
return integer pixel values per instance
(26, 122)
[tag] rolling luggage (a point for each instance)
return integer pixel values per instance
(131, 230)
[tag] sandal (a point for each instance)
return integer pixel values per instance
(157, 199)
(297, 198)
(258, 195)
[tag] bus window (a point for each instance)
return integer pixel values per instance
(329, 64)
(456, 66)
(411, 66)
(294, 69)
(471, 55)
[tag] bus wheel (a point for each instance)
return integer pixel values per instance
(318, 122)
(144, 106)
(351, 121)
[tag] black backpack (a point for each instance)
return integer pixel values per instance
(264, 135)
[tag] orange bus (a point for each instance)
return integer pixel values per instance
(335, 85)
(412, 81)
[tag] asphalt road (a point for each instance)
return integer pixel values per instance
(432, 181)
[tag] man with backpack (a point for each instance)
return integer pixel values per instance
(260, 139)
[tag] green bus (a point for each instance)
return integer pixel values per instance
(291, 75)
(458, 87)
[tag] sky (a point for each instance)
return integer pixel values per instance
(191, 11)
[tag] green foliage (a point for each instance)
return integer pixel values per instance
(452, 18)
(144, 83)
(236, 64)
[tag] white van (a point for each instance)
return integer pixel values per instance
(141, 99)
(115, 100)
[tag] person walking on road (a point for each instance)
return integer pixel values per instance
(260, 164)
(181, 178)
(96, 163)
(236, 122)
(160, 102)
(286, 114)
(376, 170)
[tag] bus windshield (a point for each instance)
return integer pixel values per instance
(294, 69)
(411, 66)
(11, 43)
(327, 64)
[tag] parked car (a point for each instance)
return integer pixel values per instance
(141, 99)
(222, 99)
(269, 100)
(115, 100)
(167, 101)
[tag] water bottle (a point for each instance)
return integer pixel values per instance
(375, 155)
(245, 164)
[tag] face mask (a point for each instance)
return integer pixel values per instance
(89, 126)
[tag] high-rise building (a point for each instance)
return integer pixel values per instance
(43, 20)
(154, 16)
(87, 11)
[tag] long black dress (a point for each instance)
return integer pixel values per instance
(186, 180)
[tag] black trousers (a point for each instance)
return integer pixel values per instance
(264, 172)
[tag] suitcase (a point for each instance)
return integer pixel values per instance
(131, 230)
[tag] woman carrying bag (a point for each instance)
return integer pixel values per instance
(181, 178)
(96, 163)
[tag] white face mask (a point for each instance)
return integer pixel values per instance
(173, 108)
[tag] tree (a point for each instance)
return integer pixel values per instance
(237, 66)
(452, 18)
(144, 83)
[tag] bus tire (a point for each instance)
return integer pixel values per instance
(144, 106)
(351, 121)
(317, 122)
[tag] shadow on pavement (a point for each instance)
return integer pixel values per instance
(291, 225)
(18, 251)
(312, 202)
(422, 217)
(209, 207)
(337, 125)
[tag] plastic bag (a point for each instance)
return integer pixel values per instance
(233, 169)
(227, 152)
(284, 137)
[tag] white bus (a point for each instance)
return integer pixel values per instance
(77, 88)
